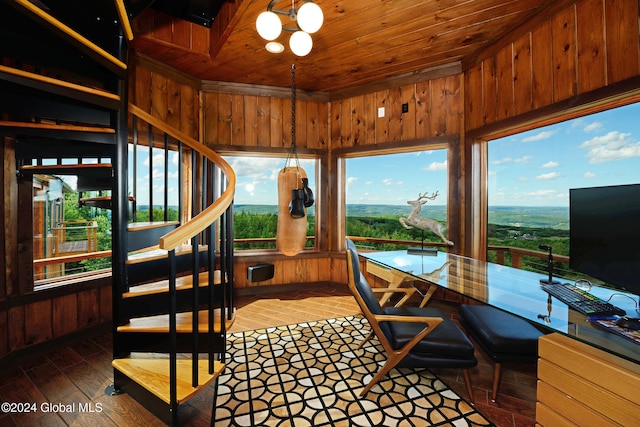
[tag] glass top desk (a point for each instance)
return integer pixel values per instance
(510, 289)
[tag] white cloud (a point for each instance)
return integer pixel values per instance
(550, 175)
(351, 180)
(551, 165)
(387, 181)
(589, 175)
(612, 146)
(540, 136)
(592, 127)
(501, 161)
(523, 159)
(541, 193)
(436, 166)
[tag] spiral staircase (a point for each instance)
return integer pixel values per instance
(63, 81)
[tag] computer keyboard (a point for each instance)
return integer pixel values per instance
(582, 301)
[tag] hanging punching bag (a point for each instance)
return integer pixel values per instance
(292, 220)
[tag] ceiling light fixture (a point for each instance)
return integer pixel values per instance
(308, 19)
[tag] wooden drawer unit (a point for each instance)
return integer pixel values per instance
(580, 385)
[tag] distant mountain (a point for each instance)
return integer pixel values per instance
(514, 216)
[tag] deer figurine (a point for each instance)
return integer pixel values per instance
(415, 220)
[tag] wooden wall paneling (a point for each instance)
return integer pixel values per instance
(162, 27)
(286, 123)
(358, 129)
(423, 109)
(563, 45)
(335, 124)
(235, 117)
(23, 243)
(275, 118)
(439, 112)
(200, 38)
(250, 121)
(190, 111)
(455, 107)
(382, 123)
(263, 121)
(105, 306)
(4, 333)
(323, 269)
(8, 218)
(302, 122)
(212, 118)
(38, 321)
(394, 111)
(65, 314)
(504, 84)
(142, 90)
(542, 66)
(490, 90)
(346, 112)
(622, 50)
(369, 119)
(323, 125)
(16, 333)
(474, 97)
(339, 270)
(591, 47)
(174, 103)
(312, 138)
(280, 271)
(159, 96)
(211, 124)
(88, 308)
(522, 78)
(224, 119)
(408, 119)
(181, 32)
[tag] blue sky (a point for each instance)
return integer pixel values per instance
(535, 168)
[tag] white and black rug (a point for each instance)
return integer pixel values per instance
(311, 374)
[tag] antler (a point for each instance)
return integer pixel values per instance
(424, 196)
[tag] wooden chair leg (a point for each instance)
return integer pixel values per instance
(497, 368)
(467, 381)
(371, 335)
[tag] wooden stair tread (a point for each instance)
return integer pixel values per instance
(153, 375)
(68, 167)
(146, 225)
(160, 323)
(162, 286)
(152, 254)
(55, 127)
(101, 199)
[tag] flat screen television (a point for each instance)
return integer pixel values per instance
(605, 234)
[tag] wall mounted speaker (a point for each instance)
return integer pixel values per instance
(260, 272)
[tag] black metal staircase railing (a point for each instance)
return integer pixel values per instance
(205, 213)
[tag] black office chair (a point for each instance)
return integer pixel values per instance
(412, 337)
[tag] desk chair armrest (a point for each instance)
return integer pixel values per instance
(408, 292)
(430, 322)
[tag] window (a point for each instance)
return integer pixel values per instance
(256, 200)
(530, 174)
(379, 187)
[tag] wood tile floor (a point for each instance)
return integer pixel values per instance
(79, 372)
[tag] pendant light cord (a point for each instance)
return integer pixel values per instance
(293, 152)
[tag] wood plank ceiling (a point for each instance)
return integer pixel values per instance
(362, 43)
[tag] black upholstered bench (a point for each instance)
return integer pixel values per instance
(503, 336)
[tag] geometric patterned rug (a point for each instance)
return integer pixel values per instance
(311, 374)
